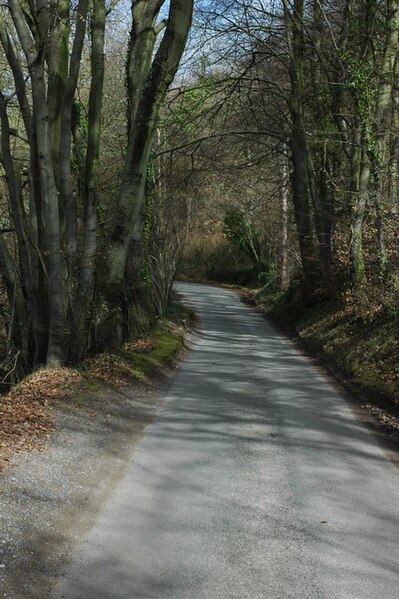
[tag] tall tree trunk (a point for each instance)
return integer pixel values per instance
(57, 55)
(20, 224)
(148, 79)
(67, 199)
(294, 22)
(380, 159)
(84, 301)
(285, 178)
(27, 229)
(362, 176)
(55, 263)
(56, 273)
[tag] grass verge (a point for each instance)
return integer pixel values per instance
(26, 418)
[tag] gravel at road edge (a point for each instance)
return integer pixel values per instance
(48, 500)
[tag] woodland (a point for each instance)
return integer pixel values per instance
(244, 142)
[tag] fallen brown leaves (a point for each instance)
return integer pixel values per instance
(25, 418)
(140, 346)
(109, 369)
(387, 420)
(25, 412)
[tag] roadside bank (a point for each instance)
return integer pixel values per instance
(359, 349)
(85, 424)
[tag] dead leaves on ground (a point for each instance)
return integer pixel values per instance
(25, 412)
(25, 418)
(109, 369)
(140, 346)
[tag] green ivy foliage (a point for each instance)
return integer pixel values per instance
(361, 82)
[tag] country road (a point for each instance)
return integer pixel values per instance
(255, 480)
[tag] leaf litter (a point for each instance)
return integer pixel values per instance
(26, 418)
(25, 414)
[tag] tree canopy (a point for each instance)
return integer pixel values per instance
(246, 141)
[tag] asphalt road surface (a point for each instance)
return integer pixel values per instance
(256, 480)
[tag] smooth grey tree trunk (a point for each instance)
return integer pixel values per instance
(148, 79)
